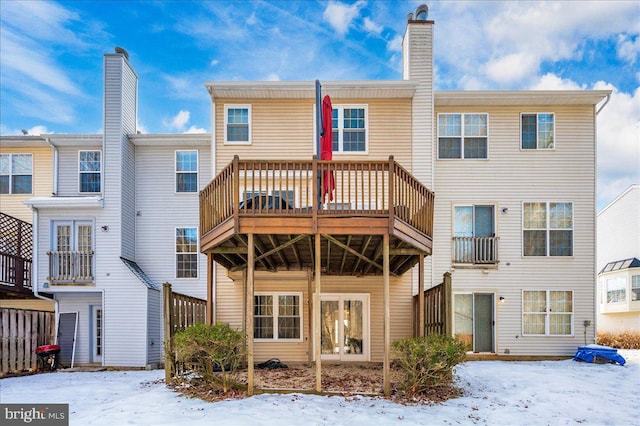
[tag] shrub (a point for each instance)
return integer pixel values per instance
(624, 340)
(425, 362)
(211, 347)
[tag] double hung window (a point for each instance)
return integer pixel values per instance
(547, 312)
(237, 124)
(186, 252)
(350, 128)
(463, 135)
(277, 316)
(547, 229)
(537, 131)
(90, 168)
(186, 171)
(16, 173)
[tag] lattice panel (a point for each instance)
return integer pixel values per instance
(16, 236)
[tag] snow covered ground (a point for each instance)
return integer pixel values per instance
(496, 393)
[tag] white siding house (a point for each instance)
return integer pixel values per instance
(619, 263)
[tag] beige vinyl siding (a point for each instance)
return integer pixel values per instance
(508, 178)
(284, 129)
(42, 182)
(230, 308)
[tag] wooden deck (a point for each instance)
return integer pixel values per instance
(277, 202)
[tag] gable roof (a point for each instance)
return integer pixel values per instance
(139, 273)
(619, 265)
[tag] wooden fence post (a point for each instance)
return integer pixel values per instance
(167, 312)
(447, 301)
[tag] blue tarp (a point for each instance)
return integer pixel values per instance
(589, 353)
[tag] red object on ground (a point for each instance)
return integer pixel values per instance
(326, 147)
(47, 350)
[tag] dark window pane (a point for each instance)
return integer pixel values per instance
(475, 148)
(535, 243)
(529, 135)
(4, 184)
(560, 243)
(237, 133)
(263, 327)
(353, 141)
(89, 182)
(186, 182)
(289, 327)
(449, 148)
(187, 266)
(21, 185)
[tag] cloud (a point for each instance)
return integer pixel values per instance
(628, 48)
(340, 15)
(140, 127)
(273, 77)
(195, 129)
(618, 143)
(551, 81)
(511, 68)
(179, 121)
(395, 44)
(214, 62)
(33, 131)
(372, 27)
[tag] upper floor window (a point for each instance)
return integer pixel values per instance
(350, 128)
(90, 168)
(537, 131)
(463, 135)
(186, 253)
(186, 171)
(16, 173)
(547, 312)
(635, 287)
(237, 124)
(547, 229)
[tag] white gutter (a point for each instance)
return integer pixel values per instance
(55, 166)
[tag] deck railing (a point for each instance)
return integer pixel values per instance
(67, 267)
(360, 188)
(475, 250)
(16, 246)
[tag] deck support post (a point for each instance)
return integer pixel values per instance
(210, 270)
(316, 315)
(387, 317)
(421, 296)
(249, 304)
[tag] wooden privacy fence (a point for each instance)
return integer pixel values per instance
(180, 311)
(21, 332)
(438, 309)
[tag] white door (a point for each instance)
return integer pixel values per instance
(345, 327)
(96, 333)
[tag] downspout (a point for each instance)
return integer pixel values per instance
(55, 166)
(595, 232)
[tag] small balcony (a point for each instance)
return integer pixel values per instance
(475, 250)
(282, 204)
(16, 246)
(70, 267)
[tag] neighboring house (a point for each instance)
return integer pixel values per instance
(619, 264)
(513, 219)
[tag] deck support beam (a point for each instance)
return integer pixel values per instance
(250, 276)
(316, 314)
(210, 271)
(387, 317)
(421, 296)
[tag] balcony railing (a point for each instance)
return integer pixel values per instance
(475, 250)
(361, 188)
(66, 267)
(15, 272)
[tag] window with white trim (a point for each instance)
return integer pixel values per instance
(547, 229)
(237, 124)
(350, 128)
(463, 135)
(635, 287)
(616, 289)
(547, 313)
(537, 131)
(186, 171)
(89, 170)
(277, 316)
(186, 252)
(16, 173)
